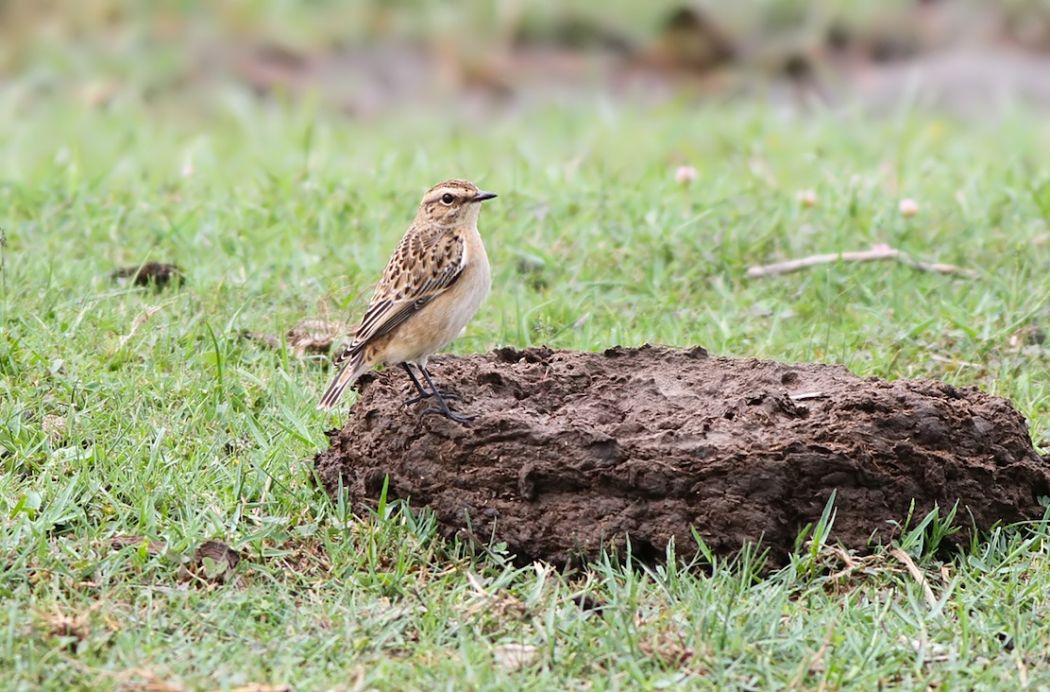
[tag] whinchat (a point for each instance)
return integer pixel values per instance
(431, 287)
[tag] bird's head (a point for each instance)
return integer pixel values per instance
(452, 203)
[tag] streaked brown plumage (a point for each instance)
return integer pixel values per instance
(433, 284)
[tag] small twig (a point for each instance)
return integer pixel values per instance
(916, 574)
(876, 253)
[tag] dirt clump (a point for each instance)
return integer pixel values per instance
(213, 561)
(155, 274)
(573, 452)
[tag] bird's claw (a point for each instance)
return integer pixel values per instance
(460, 418)
(448, 396)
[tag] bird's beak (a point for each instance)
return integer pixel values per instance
(482, 196)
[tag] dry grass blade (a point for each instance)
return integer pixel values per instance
(136, 324)
(60, 624)
(146, 680)
(511, 657)
(916, 574)
(852, 565)
(54, 426)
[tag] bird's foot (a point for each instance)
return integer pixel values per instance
(444, 394)
(460, 418)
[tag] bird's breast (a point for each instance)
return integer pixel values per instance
(473, 285)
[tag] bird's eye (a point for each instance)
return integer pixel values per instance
(447, 198)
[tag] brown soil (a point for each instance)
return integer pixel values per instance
(572, 452)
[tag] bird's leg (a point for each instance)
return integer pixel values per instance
(442, 405)
(423, 393)
(444, 393)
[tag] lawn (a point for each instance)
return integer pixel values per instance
(132, 412)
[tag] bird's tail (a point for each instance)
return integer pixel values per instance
(346, 376)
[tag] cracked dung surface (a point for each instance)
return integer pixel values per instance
(572, 452)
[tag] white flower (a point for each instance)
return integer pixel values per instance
(807, 198)
(684, 175)
(908, 207)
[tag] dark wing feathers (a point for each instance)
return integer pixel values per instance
(421, 269)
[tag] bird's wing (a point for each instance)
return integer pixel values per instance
(420, 270)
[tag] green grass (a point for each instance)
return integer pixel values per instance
(181, 431)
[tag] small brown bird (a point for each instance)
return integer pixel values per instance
(432, 286)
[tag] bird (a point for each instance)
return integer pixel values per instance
(433, 284)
